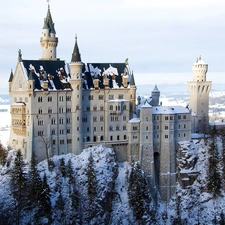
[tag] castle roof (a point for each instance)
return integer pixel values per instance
(11, 76)
(199, 61)
(76, 54)
(169, 110)
(115, 72)
(48, 23)
(155, 89)
(52, 70)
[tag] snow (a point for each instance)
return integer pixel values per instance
(169, 109)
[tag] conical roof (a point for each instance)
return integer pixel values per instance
(49, 22)
(76, 54)
(11, 76)
(132, 81)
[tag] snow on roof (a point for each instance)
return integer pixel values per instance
(18, 103)
(155, 89)
(134, 120)
(169, 110)
(118, 100)
(146, 105)
(199, 61)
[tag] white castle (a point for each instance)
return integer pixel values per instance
(59, 108)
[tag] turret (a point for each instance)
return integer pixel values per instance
(49, 41)
(10, 80)
(156, 95)
(199, 69)
(132, 96)
(76, 84)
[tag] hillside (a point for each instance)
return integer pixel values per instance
(73, 202)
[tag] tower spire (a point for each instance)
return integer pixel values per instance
(76, 54)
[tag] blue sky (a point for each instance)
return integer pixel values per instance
(162, 36)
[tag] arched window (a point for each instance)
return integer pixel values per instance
(61, 109)
(125, 137)
(102, 138)
(39, 99)
(95, 138)
(49, 110)
(53, 131)
(88, 138)
(118, 137)
(117, 127)
(111, 107)
(124, 127)
(111, 128)
(124, 107)
(61, 120)
(53, 121)
(40, 111)
(111, 138)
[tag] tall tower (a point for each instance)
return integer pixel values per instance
(48, 41)
(199, 90)
(76, 83)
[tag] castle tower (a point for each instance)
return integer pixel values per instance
(48, 41)
(132, 96)
(156, 95)
(76, 84)
(199, 90)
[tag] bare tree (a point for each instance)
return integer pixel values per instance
(46, 143)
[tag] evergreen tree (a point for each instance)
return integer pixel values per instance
(214, 179)
(62, 167)
(3, 154)
(223, 154)
(138, 193)
(18, 185)
(222, 219)
(45, 203)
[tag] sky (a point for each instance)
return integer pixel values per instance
(158, 37)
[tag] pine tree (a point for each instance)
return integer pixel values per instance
(3, 154)
(62, 167)
(223, 153)
(214, 179)
(138, 193)
(222, 219)
(18, 185)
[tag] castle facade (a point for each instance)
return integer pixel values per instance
(59, 108)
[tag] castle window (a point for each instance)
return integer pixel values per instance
(40, 122)
(102, 138)
(101, 128)
(146, 128)
(88, 108)
(134, 137)
(124, 107)
(61, 131)
(101, 108)
(49, 98)
(95, 119)
(78, 128)
(118, 108)
(124, 118)
(111, 138)
(95, 138)
(124, 127)
(84, 119)
(178, 135)
(117, 128)
(39, 99)
(184, 117)
(60, 120)
(171, 117)
(157, 117)
(179, 117)
(61, 142)
(61, 109)
(77, 107)
(125, 137)
(53, 121)
(166, 127)
(166, 136)
(68, 98)
(135, 127)
(111, 128)
(88, 138)
(68, 120)
(61, 98)
(101, 97)
(78, 118)
(184, 126)
(146, 137)
(116, 118)
(40, 111)
(69, 141)
(154, 118)
(146, 119)
(90, 97)
(40, 133)
(184, 135)
(49, 110)
(118, 137)
(111, 97)
(179, 126)
(68, 131)
(101, 118)
(53, 142)
(120, 96)
(111, 107)
(68, 110)
(95, 108)
(166, 118)
(88, 129)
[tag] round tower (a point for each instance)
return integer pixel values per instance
(199, 69)
(49, 41)
(156, 95)
(76, 66)
(199, 90)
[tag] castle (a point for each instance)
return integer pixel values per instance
(59, 108)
